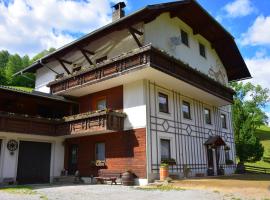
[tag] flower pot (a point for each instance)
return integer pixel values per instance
(128, 178)
(163, 173)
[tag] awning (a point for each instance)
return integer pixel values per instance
(215, 141)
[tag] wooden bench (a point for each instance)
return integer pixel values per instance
(108, 175)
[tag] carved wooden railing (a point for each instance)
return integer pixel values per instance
(18, 123)
(146, 56)
(92, 122)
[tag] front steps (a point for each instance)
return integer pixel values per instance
(66, 180)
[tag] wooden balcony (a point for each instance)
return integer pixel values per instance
(17, 123)
(138, 59)
(93, 122)
(85, 123)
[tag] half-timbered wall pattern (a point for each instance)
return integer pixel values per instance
(187, 137)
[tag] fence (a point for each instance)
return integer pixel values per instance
(259, 170)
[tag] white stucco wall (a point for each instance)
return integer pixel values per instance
(134, 105)
(8, 162)
(160, 33)
(186, 136)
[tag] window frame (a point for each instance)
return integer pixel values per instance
(170, 151)
(202, 47)
(99, 100)
(184, 35)
(167, 101)
(225, 121)
(184, 102)
(210, 116)
(96, 155)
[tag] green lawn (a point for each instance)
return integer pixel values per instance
(263, 134)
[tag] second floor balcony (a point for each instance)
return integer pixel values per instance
(102, 121)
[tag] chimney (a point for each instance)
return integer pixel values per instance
(118, 11)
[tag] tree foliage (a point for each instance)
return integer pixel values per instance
(10, 64)
(248, 115)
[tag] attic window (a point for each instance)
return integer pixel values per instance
(184, 37)
(100, 60)
(202, 50)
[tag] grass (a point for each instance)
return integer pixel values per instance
(161, 188)
(26, 89)
(23, 190)
(263, 133)
(26, 190)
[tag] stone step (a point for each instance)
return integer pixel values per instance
(64, 179)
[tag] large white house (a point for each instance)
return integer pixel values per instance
(149, 86)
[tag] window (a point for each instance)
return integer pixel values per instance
(227, 156)
(207, 116)
(184, 37)
(163, 103)
(165, 149)
(223, 121)
(186, 110)
(202, 50)
(100, 151)
(100, 60)
(101, 104)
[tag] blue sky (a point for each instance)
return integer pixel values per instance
(29, 26)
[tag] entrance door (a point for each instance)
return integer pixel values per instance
(73, 159)
(210, 157)
(34, 162)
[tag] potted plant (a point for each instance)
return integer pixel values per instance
(163, 171)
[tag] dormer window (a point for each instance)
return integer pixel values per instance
(100, 60)
(202, 50)
(184, 38)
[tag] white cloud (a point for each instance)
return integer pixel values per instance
(239, 8)
(259, 68)
(29, 26)
(258, 33)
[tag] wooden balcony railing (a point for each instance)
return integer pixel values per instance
(146, 56)
(18, 123)
(92, 122)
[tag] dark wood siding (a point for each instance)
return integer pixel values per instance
(113, 96)
(123, 150)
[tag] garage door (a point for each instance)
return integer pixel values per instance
(34, 162)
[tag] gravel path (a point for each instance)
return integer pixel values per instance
(105, 192)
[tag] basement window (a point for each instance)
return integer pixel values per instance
(184, 38)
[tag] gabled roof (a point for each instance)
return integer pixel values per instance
(187, 10)
(35, 94)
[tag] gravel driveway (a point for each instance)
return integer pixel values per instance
(105, 192)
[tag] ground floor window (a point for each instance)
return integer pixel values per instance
(100, 151)
(165, 149)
